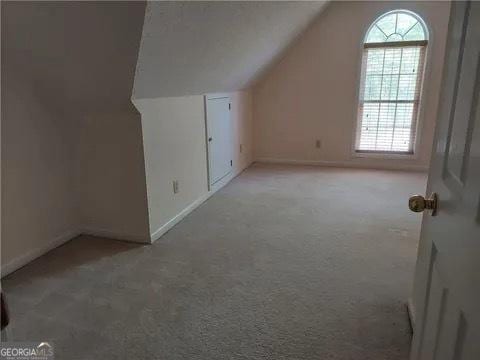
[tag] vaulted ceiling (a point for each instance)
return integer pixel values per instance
(82, 55)
(195, 47)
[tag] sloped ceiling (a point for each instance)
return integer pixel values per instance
(80, 55)
(199, 47)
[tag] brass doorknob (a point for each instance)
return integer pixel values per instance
(418, 203)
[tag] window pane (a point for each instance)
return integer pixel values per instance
(375, 59)
(390, 87)
(405, 22)
(403, 127)
(410, 59)
(416, 33)
(395, 37)
(387, 24)
(386, 127)
(375, 35)
(391, 92)
(369, 126)
(407, 87)
(396, 26)
(386, 120)
(373, 85)
(393, 58)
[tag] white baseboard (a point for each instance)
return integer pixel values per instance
(345, 164)
(23, 260)
(157, 234)
(116, 235)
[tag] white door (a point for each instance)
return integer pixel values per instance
(447, 279)
(219, 137)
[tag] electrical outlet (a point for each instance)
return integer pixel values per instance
(318, 144)
(241, 148)
(176, 189)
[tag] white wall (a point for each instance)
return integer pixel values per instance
(242, 119)
(312, 92)
(175, 149)
(110, 175)
(38, 201)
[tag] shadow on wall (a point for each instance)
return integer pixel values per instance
(111, 176)
(72, 152)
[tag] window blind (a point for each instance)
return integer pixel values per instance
(389, 97)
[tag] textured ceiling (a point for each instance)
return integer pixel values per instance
(81, 56)
(199, 47)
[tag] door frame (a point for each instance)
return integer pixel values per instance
(206, 97)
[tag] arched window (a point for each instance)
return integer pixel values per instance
(392, 74)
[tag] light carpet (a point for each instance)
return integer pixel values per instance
(285, 262)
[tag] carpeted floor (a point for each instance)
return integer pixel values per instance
(283, 263)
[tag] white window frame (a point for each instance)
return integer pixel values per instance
(422, 92)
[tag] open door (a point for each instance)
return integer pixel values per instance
(447, 278)
(219, 137)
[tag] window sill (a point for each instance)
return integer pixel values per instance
(384, 155)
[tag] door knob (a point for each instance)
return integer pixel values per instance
(417, 203)
(209, 139)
